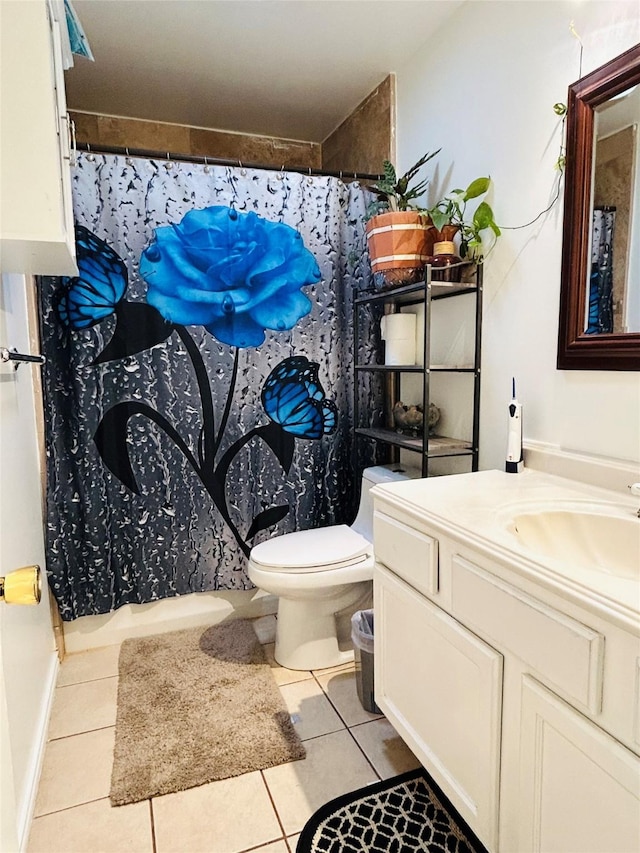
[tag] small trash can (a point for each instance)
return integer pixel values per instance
(362, 636)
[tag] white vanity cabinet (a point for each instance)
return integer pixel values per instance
(441, 687)
(36, 217)
(523, 705)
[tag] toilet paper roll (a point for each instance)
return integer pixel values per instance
(399, 335)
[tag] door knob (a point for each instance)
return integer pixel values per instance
(22, 586)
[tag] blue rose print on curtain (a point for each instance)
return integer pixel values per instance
(238, 275)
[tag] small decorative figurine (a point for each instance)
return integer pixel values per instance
(409, 419)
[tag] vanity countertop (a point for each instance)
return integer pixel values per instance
(479, 508)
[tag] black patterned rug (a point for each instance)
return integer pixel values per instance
(405, 814)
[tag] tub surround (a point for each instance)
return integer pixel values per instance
(513, 673)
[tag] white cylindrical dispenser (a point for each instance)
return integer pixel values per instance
(399, 334)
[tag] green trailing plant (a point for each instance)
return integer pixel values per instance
(451, 210)
(394, 193)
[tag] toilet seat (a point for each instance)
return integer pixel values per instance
(319, 550)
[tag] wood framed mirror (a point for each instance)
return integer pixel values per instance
(600, 286)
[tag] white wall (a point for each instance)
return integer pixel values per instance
(483, 89)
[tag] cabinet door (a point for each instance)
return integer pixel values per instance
(579, 788)
(441, 688)
(36, 223)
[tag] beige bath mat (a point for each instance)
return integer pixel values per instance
(195, 706)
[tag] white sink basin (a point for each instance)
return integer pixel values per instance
(608, 543)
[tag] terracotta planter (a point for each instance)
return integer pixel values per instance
(397, 243)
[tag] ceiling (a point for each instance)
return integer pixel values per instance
(287, 68)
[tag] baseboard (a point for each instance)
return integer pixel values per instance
(25, 810)
(602, 471)
(170, 614)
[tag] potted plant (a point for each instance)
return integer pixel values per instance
(397, 238)
(449, 213)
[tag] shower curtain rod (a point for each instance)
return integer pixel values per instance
(220, 161)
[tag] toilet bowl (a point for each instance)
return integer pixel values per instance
(319, 576)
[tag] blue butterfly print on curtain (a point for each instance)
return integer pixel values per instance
(99, 286)
(237, 275)
(293, 397)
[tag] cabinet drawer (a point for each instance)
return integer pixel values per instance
(411, 555)
(563, 653)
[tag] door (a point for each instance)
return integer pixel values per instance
(579, 788)
(28, 662)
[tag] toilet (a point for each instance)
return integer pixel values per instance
(322, 577)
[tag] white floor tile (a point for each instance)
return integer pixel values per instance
(292, 840)
(94, 828)
(384, 748)
(341, 689)
(75, 770)
(89, 665)
(222, 817)
(83, 707)
(310, 710)
(334, 765)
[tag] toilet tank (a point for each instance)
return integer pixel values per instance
(372, 477)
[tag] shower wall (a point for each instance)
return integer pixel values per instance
(99, 130)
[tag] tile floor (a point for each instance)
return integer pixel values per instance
(261, 811)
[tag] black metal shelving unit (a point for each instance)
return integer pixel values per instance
(423, 293)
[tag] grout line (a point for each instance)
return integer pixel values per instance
(367, 759)
(349, 730)
(153, 826)
(84, 732)
(85, 681)
(68, 808)
(275, 810)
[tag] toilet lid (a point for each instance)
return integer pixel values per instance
(313, 550)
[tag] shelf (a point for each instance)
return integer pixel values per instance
(438, 445)
(411, 293)
(367, 307)
(416, 368)
(392, 368)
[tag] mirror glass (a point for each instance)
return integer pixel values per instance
(613, 281)
(600, 290)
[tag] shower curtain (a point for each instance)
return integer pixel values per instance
(600, 310)
(199, 380)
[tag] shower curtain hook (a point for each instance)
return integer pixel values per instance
(206, 167)
(340, 179)
(127, 158)
(169, 164)
(90, 157)
(310, 179)
(243, 171)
